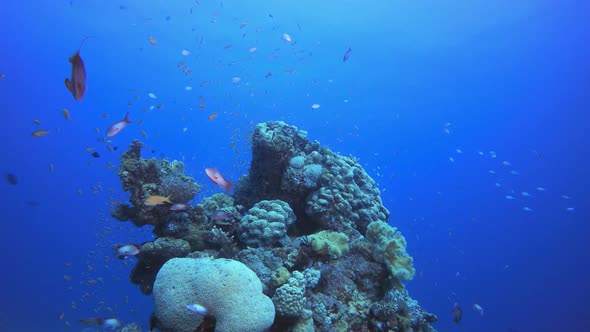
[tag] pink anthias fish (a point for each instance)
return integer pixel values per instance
(116, 127)
(106, 323)
(216, 177)
(180, 207)
(123, 251)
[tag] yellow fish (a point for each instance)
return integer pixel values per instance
(157, 200)
(66, 113)
(39, 133)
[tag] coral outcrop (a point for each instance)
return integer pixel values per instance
(308, 224)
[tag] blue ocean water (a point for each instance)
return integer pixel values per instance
(471, 117)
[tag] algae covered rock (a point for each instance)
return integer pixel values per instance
(228, 289)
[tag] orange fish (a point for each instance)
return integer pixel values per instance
(152, 40)
(212, 116)
(214, 175)
(66, 113)
(76, 84)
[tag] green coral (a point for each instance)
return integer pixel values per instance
(333, 244)
(389, 247)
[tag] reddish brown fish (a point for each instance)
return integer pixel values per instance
(77, 83)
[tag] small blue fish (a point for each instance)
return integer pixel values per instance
(346, 55)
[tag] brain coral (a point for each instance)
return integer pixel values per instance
(266, 223)
(228, 289)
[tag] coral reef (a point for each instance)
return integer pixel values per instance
(306, 223)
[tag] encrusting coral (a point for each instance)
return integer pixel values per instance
(308, 224)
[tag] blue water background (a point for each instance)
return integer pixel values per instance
(425, 78)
